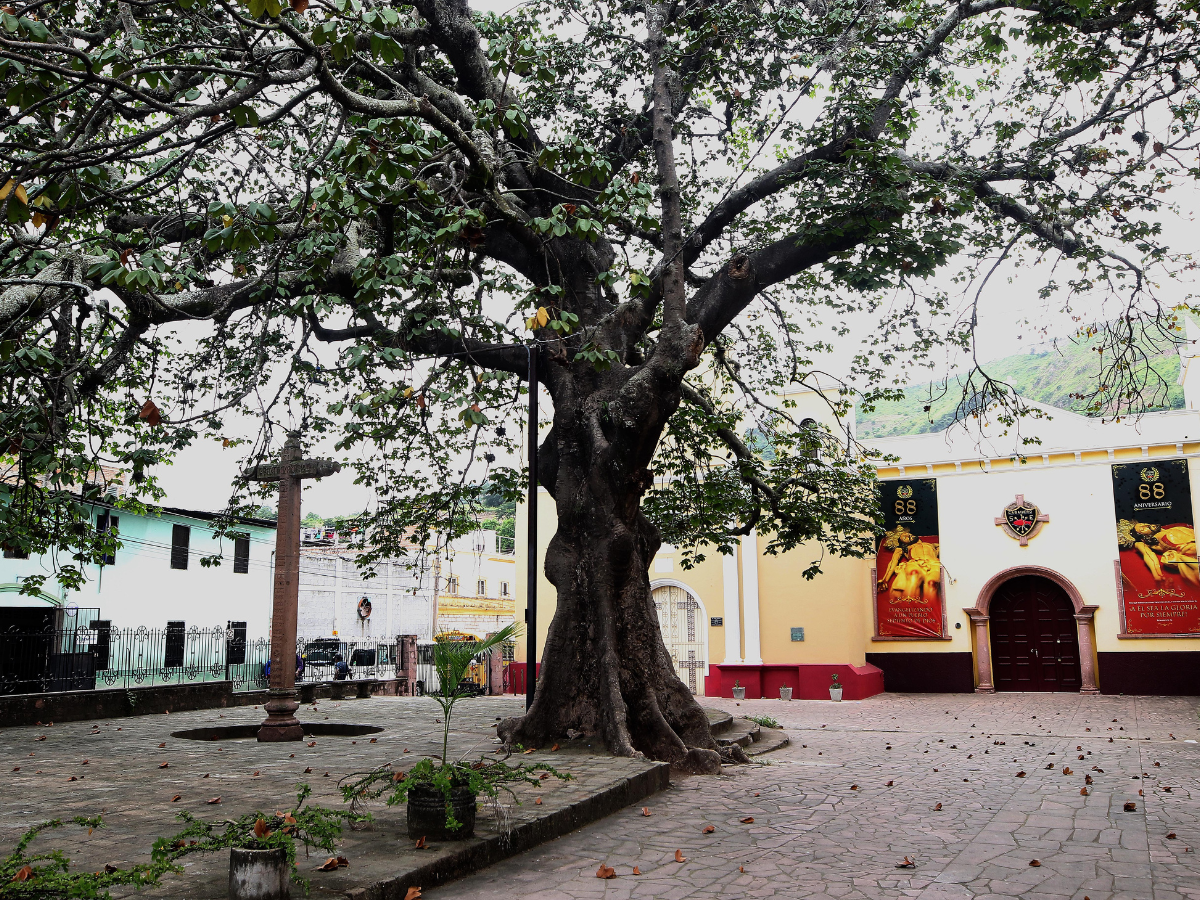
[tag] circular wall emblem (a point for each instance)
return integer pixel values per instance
(904, 491)
(1150, 474)
(364, 608)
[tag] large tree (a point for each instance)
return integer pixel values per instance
(356, 217)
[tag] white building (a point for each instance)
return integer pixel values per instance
(477, 586)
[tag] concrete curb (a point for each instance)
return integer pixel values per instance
(479, 853)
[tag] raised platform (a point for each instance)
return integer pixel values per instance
(808, 682)
(753, 738)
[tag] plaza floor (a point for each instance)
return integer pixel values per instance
(933, 779)
(863, 787)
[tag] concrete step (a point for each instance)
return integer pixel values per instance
(768, 739)
(719, 721)
(740, 731)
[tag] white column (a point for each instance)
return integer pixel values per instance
(750, 598)
(733, 619)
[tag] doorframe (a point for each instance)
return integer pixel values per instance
(1085, 624)
(671, 582)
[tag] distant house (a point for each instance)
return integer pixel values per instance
(477, 585)
(155, 579)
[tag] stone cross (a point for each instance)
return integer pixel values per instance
(281, 723)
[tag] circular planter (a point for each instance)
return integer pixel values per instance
(427, 814)
(785, 693)
(259, 874)
(739, 693)
(835, 694)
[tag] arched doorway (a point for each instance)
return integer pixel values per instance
(1034, 638)
(684, 631)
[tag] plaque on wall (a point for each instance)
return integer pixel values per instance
(908, 592)
(1156, 541)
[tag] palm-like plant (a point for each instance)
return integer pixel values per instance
(452, 661)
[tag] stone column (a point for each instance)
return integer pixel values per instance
(281, 723)
(1086, 617)
(495, 670)
(983, 652)
(406, 659)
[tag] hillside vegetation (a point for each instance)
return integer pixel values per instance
(1051, 377)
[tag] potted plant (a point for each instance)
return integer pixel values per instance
(442, 794)
(739, 692)
(785, 693)
(835, 689)
(262, 846)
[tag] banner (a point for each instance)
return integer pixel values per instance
(908, 593)
(1156, 539)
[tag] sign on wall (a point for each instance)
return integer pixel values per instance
(1156, 539)
(908, 592)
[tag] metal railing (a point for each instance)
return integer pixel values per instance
(95, 658)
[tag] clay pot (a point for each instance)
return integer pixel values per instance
(259, 874)
(427, 813)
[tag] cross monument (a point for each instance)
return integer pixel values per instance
(281, 723)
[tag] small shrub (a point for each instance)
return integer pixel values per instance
(764, 721)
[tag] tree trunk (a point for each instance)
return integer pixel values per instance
(605, 669)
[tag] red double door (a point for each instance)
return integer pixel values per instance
(1035, 644)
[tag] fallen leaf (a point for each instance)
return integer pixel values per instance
(938, 807)
(23, 873)
(749, 820)
(312, 743)
(214, 799)
(1021, 774)
(530, 750)
(306, 771)
(177, 798)
(1083, 792)
(1130, 807)
(205, 774)
(1035, 862)
(163, 744)
(646, 811)
(555, 747)
(413, 893)
(330, 865)
(1066, 770)
(255, 775)
(854, 787)
(1170, 835)
(741, 868)
(679, 857)
(709, 829)
(163, 765)
(373, 740)
(291, 756)
(889, 784)
(72, 778)
(343, 862)
(326, 775)
(1087, 779)
(907, 864)
(420, 845)
(16, 768)
(537, 802)
(606, 871)
(42, 737)
(261, 830)
(84, 763)
(637, 871)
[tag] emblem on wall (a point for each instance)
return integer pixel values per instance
(1022, 520)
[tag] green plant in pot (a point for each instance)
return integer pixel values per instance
(262, 846)
(441, 793)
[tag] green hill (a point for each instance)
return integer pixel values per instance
(1050, 377)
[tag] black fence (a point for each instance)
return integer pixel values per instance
(98, 656)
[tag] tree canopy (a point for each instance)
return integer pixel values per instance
(356, 217)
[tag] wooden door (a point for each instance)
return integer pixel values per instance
(683, 629)
(1035, 643)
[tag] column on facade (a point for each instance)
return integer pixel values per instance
(733, 615)
(750, 596)
(983, 652)
(1087, 659)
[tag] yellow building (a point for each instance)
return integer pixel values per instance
(1069, 568)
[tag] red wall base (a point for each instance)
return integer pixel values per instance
(514, 677)
(808, 682)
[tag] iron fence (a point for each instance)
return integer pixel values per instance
(98, 656)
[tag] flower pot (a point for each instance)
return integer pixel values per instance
(835, 693)
(259, 874)
(785, 693)
(739, 693)
(427, 813)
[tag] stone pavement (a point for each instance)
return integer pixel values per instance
(932, 778)
(113, 766)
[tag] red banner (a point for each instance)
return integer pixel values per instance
(908, 592)
(1156, 541)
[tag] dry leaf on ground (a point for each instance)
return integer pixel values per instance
(163, 744)
(308, 770)
(1035, 863)
(637, 871)
(708, 829)
(177, 798)
(329, 865)
(646, 811)
(1130, 807)
(163, 765)
(214, 800)
(749, 820)
(679, 857)
(420, 844)
(908, 863)
(414, 893)
(606, 871)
